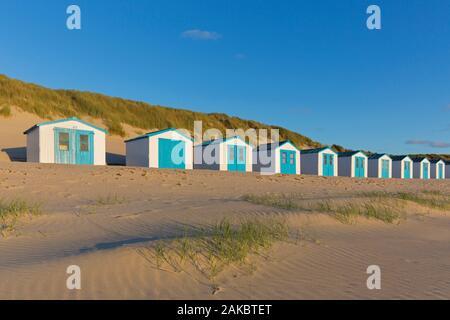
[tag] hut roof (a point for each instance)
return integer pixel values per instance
(64, 120)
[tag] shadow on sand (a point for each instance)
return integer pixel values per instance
(20, 155)
(115, 159)
(16, 154)
(168, 231)
(116, 244)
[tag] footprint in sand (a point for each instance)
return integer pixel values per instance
(216, 290)
(129, 216)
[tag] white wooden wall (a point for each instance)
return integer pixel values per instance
(46, 144)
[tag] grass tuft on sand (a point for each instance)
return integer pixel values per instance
(110, 200)
(432, 199)
(212, 249)
(349, 212)
(11, 211)
(382, 206)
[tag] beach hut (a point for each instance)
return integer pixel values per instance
(447, 169)
(380, 166)
(66, 141)
(282, 157)
(421, 168)
(437, 169)
(164, 149)
(352, 164)
(402, 167)
(321, 162)
(228, 154)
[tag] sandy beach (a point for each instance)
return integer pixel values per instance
(328, 262)
(104, 219)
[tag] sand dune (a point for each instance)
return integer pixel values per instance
(328, 262)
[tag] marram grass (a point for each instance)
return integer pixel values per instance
(214, 248)
(5, 111)
(384, 206)
(54, 104)
(11, 211)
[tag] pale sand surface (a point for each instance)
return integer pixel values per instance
(105, 240)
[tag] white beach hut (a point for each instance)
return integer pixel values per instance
(164, 149)
(402, 167)
(380, 166)
(447, 169)
(278, 157)
(421, 168)
(321, 162)
(66, 141)
(437, 169)
(353, 164)
(229, 154)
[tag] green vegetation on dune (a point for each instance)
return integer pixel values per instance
(5, 111)
(11, 211)
(115, 112)
(433, 199)
(212, 249)
(433, 156)
(389, 207)
(51, 104)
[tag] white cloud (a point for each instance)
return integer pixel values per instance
(197, 34)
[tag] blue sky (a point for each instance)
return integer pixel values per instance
(310, 66)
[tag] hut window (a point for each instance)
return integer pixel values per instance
(64, 141)
(291, 158)
(231, 154)
(241, 154)
(283, 158)
(84, 143)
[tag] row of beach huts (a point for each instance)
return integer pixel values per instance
(73, 141)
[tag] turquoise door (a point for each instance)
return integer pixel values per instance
(360, 167)
(232, 158)
(236, 158)
(287, 162)
(84, 148)
(407, 170)
(241, 156)
(171, 154)
(64, 146)
(328, 165)
(426, 171)
(440, 171)
(74, 146)
(385, 169)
